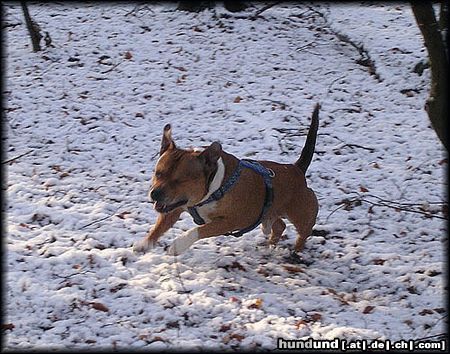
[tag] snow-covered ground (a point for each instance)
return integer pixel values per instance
(88, 114)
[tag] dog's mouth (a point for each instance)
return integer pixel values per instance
(165, 208)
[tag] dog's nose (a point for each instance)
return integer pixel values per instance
(157, 194)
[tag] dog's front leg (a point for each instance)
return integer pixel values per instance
(183, 242)
(163, 223)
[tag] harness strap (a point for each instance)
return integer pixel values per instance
(267, 175)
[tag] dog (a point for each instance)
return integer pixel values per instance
(229, 196)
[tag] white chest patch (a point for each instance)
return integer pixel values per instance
(206, 209)
(217, 180)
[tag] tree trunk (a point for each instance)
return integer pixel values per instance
(436, 104)
(194, 5)
(33, 28)
(234, 5)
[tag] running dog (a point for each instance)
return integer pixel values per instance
(226, 195)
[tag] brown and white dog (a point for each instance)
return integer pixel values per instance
(183, 178)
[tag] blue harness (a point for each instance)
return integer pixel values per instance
(266, 173)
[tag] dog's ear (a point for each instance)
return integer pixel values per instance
(167, 142)
(211, 154)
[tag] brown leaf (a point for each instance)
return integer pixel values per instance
(375, 165)
(378, 261)
(263, 271)
(237, 99)
(368, 309)
(123, 214)
(316, 317)
(99, 306)
(300, 323)
(292, 269)
(90, 341)
(128, 55)
(363, 189)
(234, 265)
(225, 328)
(256, 305)
(234, 299)
(6, 326)
(426, 312)
(236, 336)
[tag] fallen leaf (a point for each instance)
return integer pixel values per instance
(292, 269)
(368, 309)
(236, 336)
(256, 305)
(378, 261)
(6, 326)
(363, 189)
(225, 328)
(99, 306)
(128, 55)
(316, 316)
(426, 312)
(123, 214)
(300, 323)
(237, 99)
(234, 299)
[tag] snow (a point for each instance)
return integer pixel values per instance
(91, 110)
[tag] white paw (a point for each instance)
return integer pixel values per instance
(143, 245)
(182, 243)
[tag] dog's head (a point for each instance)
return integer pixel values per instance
(182, 177)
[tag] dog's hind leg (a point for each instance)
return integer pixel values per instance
(277, 230)
(304, 219)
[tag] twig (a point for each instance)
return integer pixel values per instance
(332, 82)
(185, 291)
(112, 68)
(360, 146)
(429, 337)
(384, 203)
(275, 101)
(17, 157)
(96, 221)
(335, 210)
(365, 59)
(260, 11)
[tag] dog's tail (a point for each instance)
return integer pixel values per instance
(308, 150)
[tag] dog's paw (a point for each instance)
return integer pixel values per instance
(182, 243)
(143, 245)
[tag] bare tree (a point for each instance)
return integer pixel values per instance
(194, 5)
(433, 33)
(200, 5)
(33, 28)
